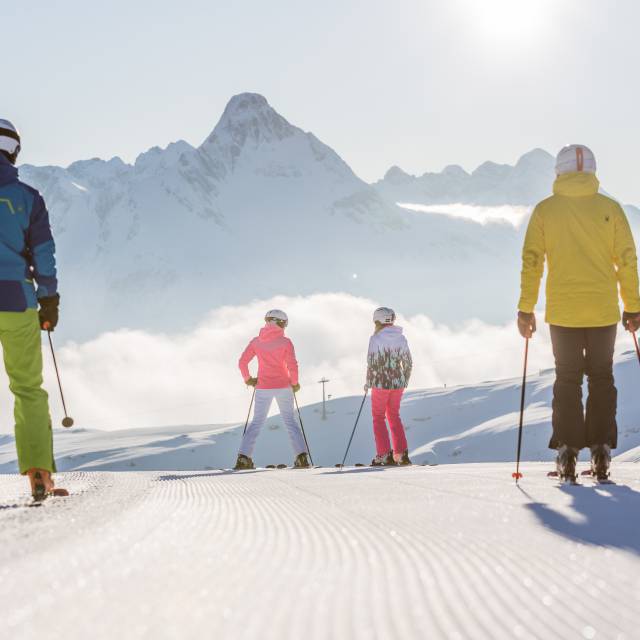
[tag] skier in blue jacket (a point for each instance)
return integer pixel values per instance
(28, 303)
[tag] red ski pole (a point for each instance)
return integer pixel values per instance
(517, 475)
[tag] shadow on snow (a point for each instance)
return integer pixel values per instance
(608, 515)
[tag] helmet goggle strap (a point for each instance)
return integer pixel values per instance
(281, 323)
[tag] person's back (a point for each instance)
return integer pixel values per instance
(388, 359)
(26, 244)
(277, 380)
(588, 244)
(589, 248)
(389, 367)
(277, 365)
(27, 261)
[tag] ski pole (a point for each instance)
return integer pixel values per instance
(304, 435)
(67, 421)
(517, 475)
(635, 340)
(253, 395)
(354, 429)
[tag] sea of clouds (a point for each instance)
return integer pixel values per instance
(127, 378)
(510, 214)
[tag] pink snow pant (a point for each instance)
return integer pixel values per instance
(386, 402)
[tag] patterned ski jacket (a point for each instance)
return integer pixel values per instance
(388, 360)
(27, 250)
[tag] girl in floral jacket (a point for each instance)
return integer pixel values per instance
(388, 372)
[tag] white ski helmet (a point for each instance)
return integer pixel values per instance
(575, 158)
(9, 140)
(278, 316)
(384, 315)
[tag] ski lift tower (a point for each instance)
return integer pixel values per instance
(323, 382)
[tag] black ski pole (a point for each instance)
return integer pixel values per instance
(517, 475)
(67, 421)
(253, 395)
(354, 429)
(304, 435)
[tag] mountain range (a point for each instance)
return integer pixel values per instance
(262, 207)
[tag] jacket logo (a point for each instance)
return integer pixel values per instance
(606, 218)
(8, 203)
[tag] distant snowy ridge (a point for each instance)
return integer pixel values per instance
(491, 184)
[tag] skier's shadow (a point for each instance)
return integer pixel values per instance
(608, 515)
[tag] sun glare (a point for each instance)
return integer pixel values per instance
(509, 20)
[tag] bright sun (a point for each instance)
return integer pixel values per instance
(512, 20)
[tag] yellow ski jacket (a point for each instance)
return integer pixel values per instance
(589, 247)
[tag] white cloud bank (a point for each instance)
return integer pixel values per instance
(130, 378)
(513, 215)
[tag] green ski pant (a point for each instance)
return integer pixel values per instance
(22, 352)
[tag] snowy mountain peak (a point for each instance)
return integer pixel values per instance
(536, 159)
(454, 171)
(396, 175)
(249, 119)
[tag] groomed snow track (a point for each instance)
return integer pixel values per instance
(450, 552)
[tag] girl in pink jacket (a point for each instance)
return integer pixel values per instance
(277, 379)
(388, 371)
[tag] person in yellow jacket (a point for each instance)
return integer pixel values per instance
(587, 242)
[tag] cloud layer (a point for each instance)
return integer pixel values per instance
(130, 378)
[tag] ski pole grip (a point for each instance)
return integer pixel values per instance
(46, 325)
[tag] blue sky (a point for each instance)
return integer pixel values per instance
(420, 84)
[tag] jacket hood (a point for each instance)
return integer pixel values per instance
(389, 334)
(576, 185)
(8, 173)
(270, 332)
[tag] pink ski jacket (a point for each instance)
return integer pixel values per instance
(277, 364)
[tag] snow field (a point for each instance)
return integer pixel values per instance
(455, 551)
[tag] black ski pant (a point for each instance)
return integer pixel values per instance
(576, 352)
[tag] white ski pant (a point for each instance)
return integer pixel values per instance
(264, 398)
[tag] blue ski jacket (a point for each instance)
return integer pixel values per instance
(27, 250)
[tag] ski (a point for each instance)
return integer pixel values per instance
(554, 475)
(589, 474)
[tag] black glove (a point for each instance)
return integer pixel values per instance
(251, 382)
(295, 387)
(49, 312)
(631, 321)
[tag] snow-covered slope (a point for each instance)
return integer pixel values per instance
(448, 552)
(454, 425)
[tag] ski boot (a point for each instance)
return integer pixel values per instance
(600, 462)
(566, 463)
(384, 460)
(402, 459)
(243, 462)
(42, 485)
(302, 461)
